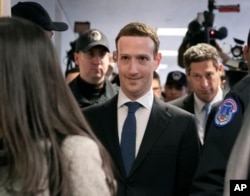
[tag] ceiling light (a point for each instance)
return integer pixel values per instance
(169, 52)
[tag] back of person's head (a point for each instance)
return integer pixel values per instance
(37, 107)
(200, 52)
(36, 13)
(139, 29)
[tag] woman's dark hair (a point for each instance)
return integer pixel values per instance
(37, 109)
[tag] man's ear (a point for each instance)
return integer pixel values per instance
(220, 67)
(76, 58)
(158, 58)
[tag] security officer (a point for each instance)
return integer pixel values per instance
(92, 56)
(36, 13)
(223, 131)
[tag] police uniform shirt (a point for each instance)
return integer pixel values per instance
(87, 94)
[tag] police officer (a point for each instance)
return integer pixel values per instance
(92, 56)
(35, 13)
(223, 131)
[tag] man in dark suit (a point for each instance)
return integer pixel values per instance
(162, 157)
(203, 70)
(224, 130)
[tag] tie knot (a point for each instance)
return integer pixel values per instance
(132, 106)
(207, 107)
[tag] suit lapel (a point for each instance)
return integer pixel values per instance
(110, 126)
(158, 121)
(189, 103)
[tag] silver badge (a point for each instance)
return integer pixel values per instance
(176, 75)
(95, 36)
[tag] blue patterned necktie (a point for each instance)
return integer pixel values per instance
(129, 136)
(206, 108)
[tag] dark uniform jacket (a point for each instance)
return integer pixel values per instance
(210, 174)
(168, 154)
(86, 95)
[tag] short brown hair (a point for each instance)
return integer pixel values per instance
(139, 29)
(201, 52)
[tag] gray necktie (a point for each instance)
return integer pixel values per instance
(206, 109)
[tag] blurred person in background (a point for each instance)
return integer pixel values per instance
(72, 69)
(238, 166)
(175, 86)
(156, 85)
(111, 74)
(34, 12)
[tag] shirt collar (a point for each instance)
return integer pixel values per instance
(146, 100)
(199, 104)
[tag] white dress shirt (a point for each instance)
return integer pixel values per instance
(200, 113)
(142, 115)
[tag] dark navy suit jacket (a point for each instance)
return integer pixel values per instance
(168, 154)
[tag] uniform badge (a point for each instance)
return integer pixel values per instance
(226, 112)
(95, 35)
(176, 76)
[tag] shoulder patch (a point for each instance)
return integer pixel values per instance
(226, 112)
